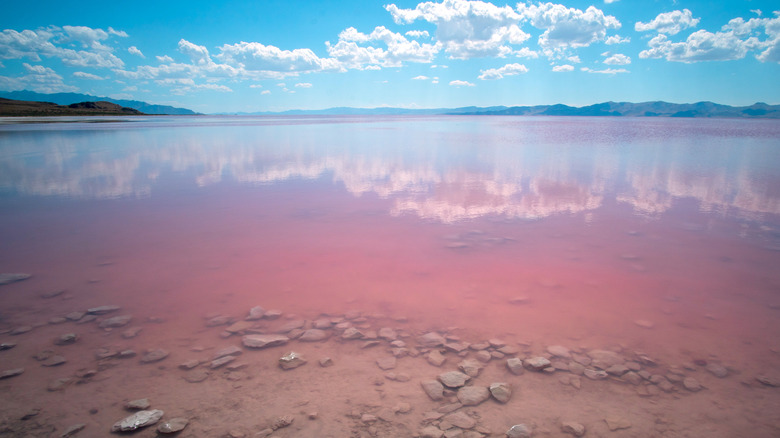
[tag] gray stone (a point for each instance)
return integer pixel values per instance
(228, 351)
(351, 333)
(20, 330)
(102, 310)
(173, 425)
(255, 313)
(291, 325)
(272, 314)
(7, 345)
(131, 332)
(72, 430)
(222, 361)
(768, 380)
(115, 321)
(470, 367)
(453, 379)
(313, 335)
(219, 320)
(11, 373)
(263, 341)
(155, 355)
(432, 339)
(717, 370)
(291, 360)
(196, 376)
(519, 431)
(536, 363)
(573, 428)
(501, 391)
(138, 405)
(632, 378)
(431, 432)
(433, 388)
(388, 334)
(604, 359)
(75, 316)
(514, 365)
(326, 362)
(692, 384)
(473, 395)
(386, 363)
(435, 358)
(138, 420)
(617, 423)
(54, 361)
(66, 339)
(460, 419)
(617, 370)
(484, 356)
(8, 278)
(595, 374)
(559, 351)
(239, 327)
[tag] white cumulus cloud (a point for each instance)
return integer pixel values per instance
(468, 29)
(459, 83)
(420, 78)
(417, 34)
(133, 50)
(358, 50)
(49, 42)
(567, 27)
(90, 76)
(565, 67)
(617, 59)
(303, 85)
(38, 78)
(164, 59)
(269, 61)
(616, 39)
(499, 73)
(669, 22)
(606, 71)
(699, 46)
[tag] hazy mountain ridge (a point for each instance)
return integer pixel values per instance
(643, 109)
(70, 98)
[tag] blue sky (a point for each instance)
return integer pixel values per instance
(270, 55)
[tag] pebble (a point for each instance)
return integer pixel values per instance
(326, 362)
(717, 370)
(138, 405)
(617, 423)
(604, 359)
(102, 310)
(196, 376)
(388, 334)
(351, 333)
(173, 425)
(11, 373)
(453, 379)
(59, 384)
(519, 431)
(692, 384)
(313, 335)
(21, 330)
(573, 428)
(386, 363)
(138, 420)
(432, 339)
(537, 363)
(272, 314)
(595, 374)
(435, 358)
(501, 391)
(559, 351)
(291, 325)
(66, 339)
(155, 355)
(473, 395)
(72, 430)
(460, 419)
(431, 432)
(8, 278)
(263, 341)
(7, 345)
(228, 351)
(768, 381)
(433, 388)
(54, 361)
(291, 361)
(470, 367)
(515, 365)
(222, 361)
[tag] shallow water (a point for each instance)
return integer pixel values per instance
(659, 236)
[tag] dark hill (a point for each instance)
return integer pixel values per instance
(21, 108)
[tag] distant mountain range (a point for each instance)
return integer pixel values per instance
(613, 109)
(70, 98)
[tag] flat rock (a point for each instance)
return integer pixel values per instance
(470, 367)
(453, 379)
(219, 320)
(20, 330)
(7, 345)
(313, 335)
(473, 395)
(351, 333)
(326, 362)
(717, 370)
(432, 339)
(386, 363)
(11, 373)
(604, 359)
(173, 425)
(138, 420)
(514, 365)
(196, 376)
(291, 361)
(75, 316)
(460, 419)
(8, 278)
(519, 431)
(115, 321)
(431, 432)
(691, 384)
(559, 351)
(388, 334)
(617, 423)
(501, 391)
(768, 380)
(138, 405)
(155, 355)
(190, 364)
(537, 363)
(239, 327)
(435, 358)
(54, 361)
(433, 388)
(263, 341)
(222, 361)
(227, 351)
(66, 339)
(595, 374)
(272, 314)
(101, 310)
(255, 313)
(73, 430)
(59, 384)
(573, 428)
(291, 325)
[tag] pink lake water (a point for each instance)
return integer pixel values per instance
(659, 236)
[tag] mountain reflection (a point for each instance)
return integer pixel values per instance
(526, 178)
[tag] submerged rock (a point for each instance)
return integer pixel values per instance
(154, 356)
(66, 339)
(313, 335)
(100, 310)
(138, 405)
(12, 278)
(453, 379)
(173, 425)
(72, 430)
(255, 313)
(501, 391)
(433, 388)
(11, 373)
(291, 360)
(432, 339)
(138, 420)
(514, 365)
(573, 428)
(263, 341)
(473, 395)
(537, 363)
(116, 321)
(519, 431)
